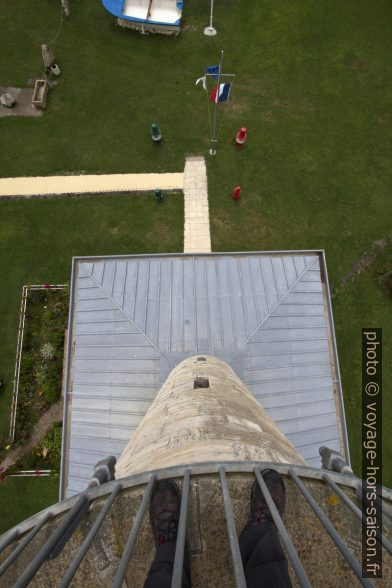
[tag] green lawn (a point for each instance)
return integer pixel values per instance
(39, 237)
(20, 498)
(313, 88)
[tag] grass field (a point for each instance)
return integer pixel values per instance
(38, 239)
(313, 86)
(20, 498)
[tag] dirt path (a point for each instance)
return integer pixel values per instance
(360, 265)
(45, 423)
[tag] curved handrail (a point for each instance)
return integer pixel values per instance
(178, 471)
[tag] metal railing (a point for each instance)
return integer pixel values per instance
(77, 507)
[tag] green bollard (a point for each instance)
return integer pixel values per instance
(158, 194)
(155, 133)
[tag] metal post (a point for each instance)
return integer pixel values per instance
(25, 541)
(233, 540)
(210, 31)
(291, 552)
(378, 503)
(11, 537)
(340, 544)
(126, 556)
(66, 7)
(180, 544)
(54, 539)
(74, 565)
(214, 140)
(358, 512)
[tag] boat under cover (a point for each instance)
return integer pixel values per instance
(159, 12)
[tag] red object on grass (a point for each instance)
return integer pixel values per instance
(241, 136)
(237, 192)
(47, 286)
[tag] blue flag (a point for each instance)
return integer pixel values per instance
(213, 69)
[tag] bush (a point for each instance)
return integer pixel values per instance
(56, 339)
(51, 391)
(35, 459)
(27, 363)
(52, 441)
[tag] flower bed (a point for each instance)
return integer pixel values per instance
(45, 456)
(41, 364)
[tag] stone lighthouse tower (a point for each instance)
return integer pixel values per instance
(204, 412)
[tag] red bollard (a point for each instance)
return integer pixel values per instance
(241, 136)
(237, 192)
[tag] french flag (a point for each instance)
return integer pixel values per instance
(220, 93)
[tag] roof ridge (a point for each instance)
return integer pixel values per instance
(271, 310)
(126, 315)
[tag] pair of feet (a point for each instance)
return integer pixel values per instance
(166, 501)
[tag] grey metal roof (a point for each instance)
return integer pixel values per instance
(133, 318)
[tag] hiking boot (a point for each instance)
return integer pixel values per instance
(259, 511)
(165, 512)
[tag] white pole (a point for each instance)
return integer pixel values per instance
(214, 140)
(210, 31)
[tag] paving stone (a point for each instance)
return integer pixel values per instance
(54, 185)
(193, 182)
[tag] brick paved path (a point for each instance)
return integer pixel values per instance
(197, 238)
(56, 185)
(193, 182)
(197, 223)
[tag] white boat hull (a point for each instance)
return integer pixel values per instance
(157, 11)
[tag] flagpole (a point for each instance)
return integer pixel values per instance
(214, 140)
(210, 31)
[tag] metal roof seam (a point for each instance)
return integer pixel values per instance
(260, 326)
(217, 294)
(126, 314)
